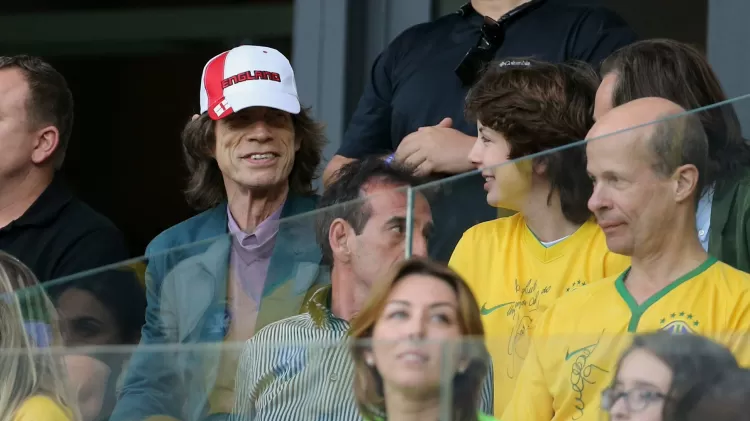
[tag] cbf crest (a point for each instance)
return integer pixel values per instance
(680, 323)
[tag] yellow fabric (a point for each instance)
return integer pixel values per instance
(515, 278)
(42, 408)
(577, 342)
(139, 269)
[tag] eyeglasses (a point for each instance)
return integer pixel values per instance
(636, 399)
(478, 56)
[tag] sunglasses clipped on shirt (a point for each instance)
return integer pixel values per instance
(490, 40)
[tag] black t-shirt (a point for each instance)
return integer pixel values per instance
(59, 236)
(413, 84)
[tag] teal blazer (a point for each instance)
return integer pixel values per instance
(186, 281)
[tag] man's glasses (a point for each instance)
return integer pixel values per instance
(478, 56)
(636, 400)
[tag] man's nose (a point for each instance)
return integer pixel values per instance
(418, 245)
(598, 199)
(259, 131)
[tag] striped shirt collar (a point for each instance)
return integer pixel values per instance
(319, 309)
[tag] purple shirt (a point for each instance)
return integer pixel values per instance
(251, 253)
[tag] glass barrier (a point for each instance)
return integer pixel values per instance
(181, 349)
(309, 380)
(197, 297)
(461, 202)
(590, 376)
(582, 213)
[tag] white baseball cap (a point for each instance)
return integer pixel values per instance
(248, 76)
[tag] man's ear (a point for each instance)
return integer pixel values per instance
(338, 238)
(46, 142)
(685, 182)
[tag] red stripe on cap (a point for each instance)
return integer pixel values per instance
(214, 91)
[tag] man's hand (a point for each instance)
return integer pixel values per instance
(436, 149)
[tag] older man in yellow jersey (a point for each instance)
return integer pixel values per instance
(519, 265)
(646, 187)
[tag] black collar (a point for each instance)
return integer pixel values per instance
(467, 11)
(47, 206)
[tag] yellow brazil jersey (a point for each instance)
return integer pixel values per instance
(579, 339)
(515, 278)
(42, 408)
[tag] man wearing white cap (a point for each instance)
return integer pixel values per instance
(252, 155)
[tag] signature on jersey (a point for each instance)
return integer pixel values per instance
(581, 373)
(522, 314)
(518, 344)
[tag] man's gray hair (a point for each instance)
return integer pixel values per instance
(680, 140)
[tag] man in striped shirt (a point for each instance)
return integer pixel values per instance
(299, 368)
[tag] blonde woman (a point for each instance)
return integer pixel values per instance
(32, 378)
(400, 339)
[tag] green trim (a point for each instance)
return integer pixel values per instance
(535, 237)
(541, 243)
(638, 310)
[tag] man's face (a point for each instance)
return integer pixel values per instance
(16, 138)
(603, 102)
(633, 204)
(382, 242)
(507, 183)
(255, 148)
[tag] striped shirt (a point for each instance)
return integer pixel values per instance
(300, 368)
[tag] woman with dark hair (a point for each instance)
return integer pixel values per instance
(725, 398)
(101, 310)
(96, 311)
(400, 340)
(680, 73)
(530, 115)
(658, 371)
